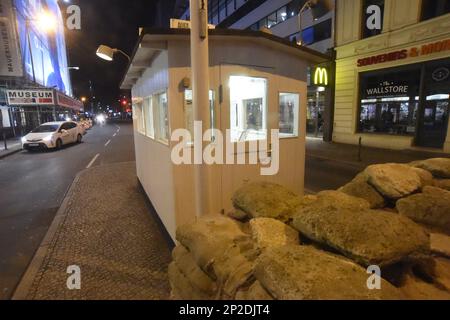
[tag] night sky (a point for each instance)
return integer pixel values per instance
(114, 23)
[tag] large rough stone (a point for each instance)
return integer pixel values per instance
(442, 273)
(439, 167)
(415, 288)
(267, 232)
(265, 199)
(360, 188)
(199, 280)
(440, 244)
(255, 292)
(369, 237)
(426, 178)
(442, 183)
(221, 249)
(305, 273)
(432, 207)
(394, 181)
(181, 287)
(338, 200)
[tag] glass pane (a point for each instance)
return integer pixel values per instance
(272, 20)
(263, 23)
(281, 15)
(248, 108)
(148, 115)
(389, 102)
(164, 117)
(289, 106)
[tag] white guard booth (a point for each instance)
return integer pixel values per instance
(258, 82)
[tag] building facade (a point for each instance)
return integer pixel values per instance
(35, 84)
(282, 18)
(393, 73)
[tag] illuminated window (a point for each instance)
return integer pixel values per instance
(248, 108)
(139, 118)
(148, 115)
(289, 108)
(161, 116)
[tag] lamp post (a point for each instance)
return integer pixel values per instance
(319, 8)
(107, 53)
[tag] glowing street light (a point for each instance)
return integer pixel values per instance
(107, 53)
(46, 21)
(83, 99)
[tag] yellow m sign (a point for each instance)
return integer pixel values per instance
(321, 77)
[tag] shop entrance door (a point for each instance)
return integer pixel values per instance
(434, 117)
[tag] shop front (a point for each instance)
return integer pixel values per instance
(393, 93)
(410, 101)
(26, 109)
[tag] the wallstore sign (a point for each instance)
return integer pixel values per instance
(427, 49)
(387, 89)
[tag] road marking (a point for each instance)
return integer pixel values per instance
(106, 144)
(92, 161)
(115, 134)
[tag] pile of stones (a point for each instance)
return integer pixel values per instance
(279, 245)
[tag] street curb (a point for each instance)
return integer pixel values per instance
(22, 289)
(349, 163)
(8, 153)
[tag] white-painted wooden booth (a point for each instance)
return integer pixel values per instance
(257, 83)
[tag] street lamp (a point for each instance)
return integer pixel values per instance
(107, 53)
(318, 9)
(73, 68)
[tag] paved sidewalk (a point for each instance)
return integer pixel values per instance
(349, 153)
(104, 226)
(13, 145)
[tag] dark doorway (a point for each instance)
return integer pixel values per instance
(434, 115)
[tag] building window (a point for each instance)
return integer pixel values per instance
(248, 108)
(434, 8)
(161, 115)
(189, 114)
(148, 116)
(373, 17)
(319, 32)
(139, 118)
(389, 101)
(289, 109)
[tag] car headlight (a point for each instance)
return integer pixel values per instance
(24, 139)
(48, 138)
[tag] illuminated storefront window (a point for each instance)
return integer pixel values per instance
(389, 102)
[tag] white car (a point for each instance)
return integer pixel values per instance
(53, 135)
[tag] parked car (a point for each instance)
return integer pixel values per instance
(53, 135)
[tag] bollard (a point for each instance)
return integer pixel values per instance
(4, 140)
(359, 149)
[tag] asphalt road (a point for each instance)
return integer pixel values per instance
(33, 185)
(327, 174)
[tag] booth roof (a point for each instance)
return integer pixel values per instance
(144, 52)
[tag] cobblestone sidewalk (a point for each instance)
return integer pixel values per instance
(108, 231)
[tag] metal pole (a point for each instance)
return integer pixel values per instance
(4, 140)
(200, 87)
